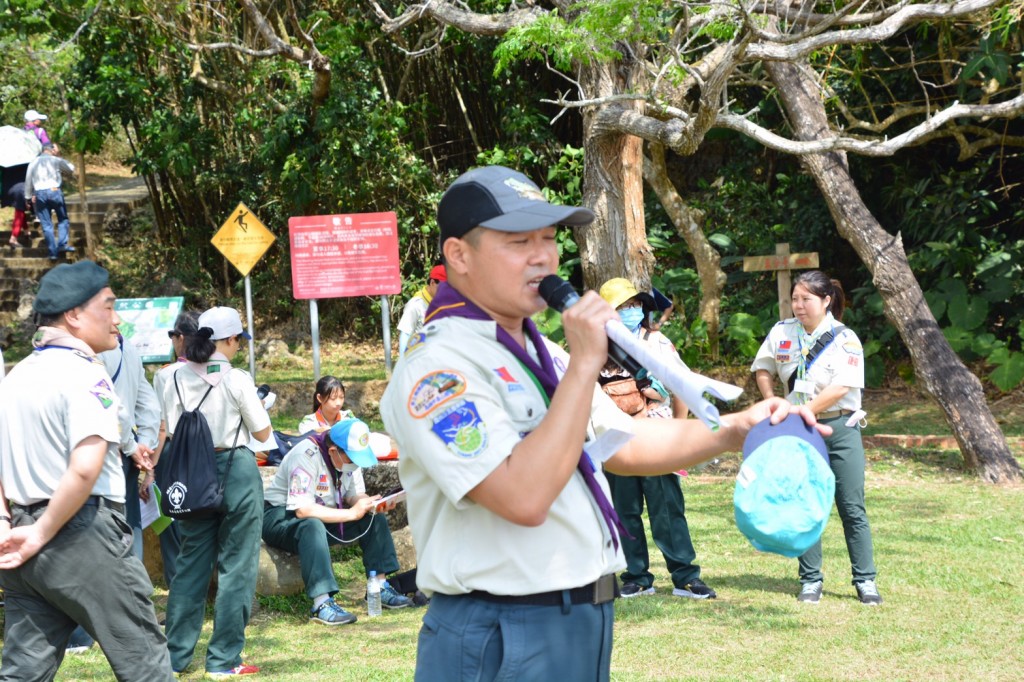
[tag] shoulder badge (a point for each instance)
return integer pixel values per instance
(461, 429)
(434, 389)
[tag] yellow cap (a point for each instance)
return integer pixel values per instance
(617, 291)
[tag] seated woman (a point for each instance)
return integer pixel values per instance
(317, 499)
(328, 401)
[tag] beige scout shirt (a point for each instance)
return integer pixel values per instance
(457, 405)
(303, 479)
(840, 363)
(232, 399)
(49, 403)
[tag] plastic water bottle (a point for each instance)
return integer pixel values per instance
(373, 595)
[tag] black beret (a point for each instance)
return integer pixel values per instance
(68, 286)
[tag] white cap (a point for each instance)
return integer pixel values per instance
(33, 115)
(225, 323)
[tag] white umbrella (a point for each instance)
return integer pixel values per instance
(17, 146)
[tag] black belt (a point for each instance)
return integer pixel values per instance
(604, 589)
(91, 501)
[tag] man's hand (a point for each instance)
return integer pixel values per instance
(584, 325)
(19, 545)
(778, 409)
(364, 505)
(144, 485)
(141, 457)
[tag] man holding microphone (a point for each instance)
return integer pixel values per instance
(517, 542)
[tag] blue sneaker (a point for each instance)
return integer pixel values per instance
(329, 613)
(390, 599)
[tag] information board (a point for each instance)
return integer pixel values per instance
(146, 321)
(336, 256)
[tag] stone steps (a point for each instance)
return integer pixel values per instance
(31, 260)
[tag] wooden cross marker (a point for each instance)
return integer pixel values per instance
(782, 262)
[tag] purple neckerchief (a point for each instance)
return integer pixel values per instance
(450, 303)
(318, 439)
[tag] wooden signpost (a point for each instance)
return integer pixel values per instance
(782, 262)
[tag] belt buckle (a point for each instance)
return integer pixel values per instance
(604, 589)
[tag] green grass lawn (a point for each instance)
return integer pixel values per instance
(948, 550)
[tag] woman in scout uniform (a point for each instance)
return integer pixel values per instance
(328, 401)
(821, 362)
(229, 540)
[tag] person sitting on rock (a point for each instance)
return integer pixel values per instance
(317, 499)
(328, 404)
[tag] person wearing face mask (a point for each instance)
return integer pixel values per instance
(820, 362)
(645, 397)
(317, 499)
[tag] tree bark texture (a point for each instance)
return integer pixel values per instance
(689, 223)
(615, 245)
(944, 376)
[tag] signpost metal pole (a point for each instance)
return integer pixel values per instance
(385, 321)
(252, 337)
(314, 325)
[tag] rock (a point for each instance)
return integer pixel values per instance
(404, 548)
(279, 572)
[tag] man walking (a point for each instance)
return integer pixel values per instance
(65, 548)
(42, 186)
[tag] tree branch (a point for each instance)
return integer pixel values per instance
(906, 16)
(925, 130)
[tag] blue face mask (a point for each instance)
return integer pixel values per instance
(632, 317)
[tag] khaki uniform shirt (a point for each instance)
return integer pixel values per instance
(303, 479)
(457, 404)
(840, 363)
(232, 399)
(49, 403)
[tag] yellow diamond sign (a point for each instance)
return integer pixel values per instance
(243, 239)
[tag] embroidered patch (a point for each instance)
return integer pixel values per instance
(415, 342)
(785, 345)
(781, 358)
(312, 452)
(433, 390)
(510, 381)
(300, 482)
(322, 486)
(853, 348)
(103, 392)
(461, 429)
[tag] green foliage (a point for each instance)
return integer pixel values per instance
(989, 61)
(594, 31)
(747, 331)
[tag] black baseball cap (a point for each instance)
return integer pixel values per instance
(501, 199)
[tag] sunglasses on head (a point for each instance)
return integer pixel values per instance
(173, 334)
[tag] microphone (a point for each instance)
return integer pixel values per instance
(688, 386)
(560, 295)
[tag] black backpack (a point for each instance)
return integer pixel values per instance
(189, 487)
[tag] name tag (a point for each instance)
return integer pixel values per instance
(804, 386)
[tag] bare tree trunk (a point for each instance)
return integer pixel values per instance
(945, 377)
(616, 244)
(689, 223)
